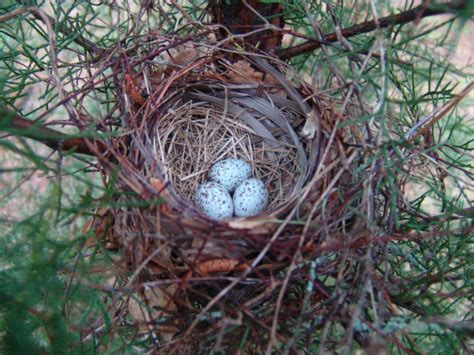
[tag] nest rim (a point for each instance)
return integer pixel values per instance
(202, 84)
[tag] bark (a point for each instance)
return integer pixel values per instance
(241, 17)
(19, 126)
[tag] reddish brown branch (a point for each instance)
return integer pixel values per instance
(19, 126)
(399, 19)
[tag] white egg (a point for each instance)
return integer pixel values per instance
(250, 198)
(230, 173)
(214, 200)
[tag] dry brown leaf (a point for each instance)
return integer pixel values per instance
(160, 298)
(185, 56)
(241, 72)
(156, 303)
(140, 315)
(131, 89)
(220, 265)
(310, 126)
(179, 56)
(172, 59)
(256, 225)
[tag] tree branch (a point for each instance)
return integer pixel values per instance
(78, 38)
(399, 19)
(18, 126)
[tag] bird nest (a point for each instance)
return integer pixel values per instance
(182, 117)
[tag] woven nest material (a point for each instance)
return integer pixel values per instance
(195, 115)
(197, 134)
(202, 123)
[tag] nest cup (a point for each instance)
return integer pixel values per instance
(195, 134)
(204, 123)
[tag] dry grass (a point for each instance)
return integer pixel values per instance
(191, 138)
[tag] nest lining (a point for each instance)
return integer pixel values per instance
(193, 136)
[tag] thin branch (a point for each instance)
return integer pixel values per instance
(429, 120)
(62, 27)
(399, 19)
(21, 127)
(80, 40)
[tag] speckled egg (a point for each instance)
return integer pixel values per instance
(214, 200)
(230, 173)
(250, 198)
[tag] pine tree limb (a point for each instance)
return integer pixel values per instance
(368, 26)
(18, 126)
(63, 28)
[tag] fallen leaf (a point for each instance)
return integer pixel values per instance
(310, 126)
(260, 225)
(146, 310)
(241, 72)
(220, 265)
(184, 56)
(131, 89)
